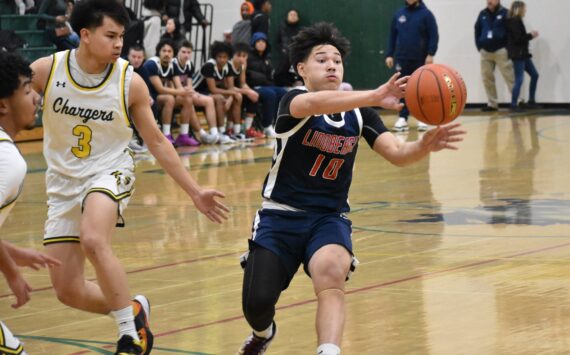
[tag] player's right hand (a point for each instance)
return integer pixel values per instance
(32, 258)
(20, 288)
(206, 202)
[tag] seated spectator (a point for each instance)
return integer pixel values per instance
(260, 77)
(241, 32)
(185, 67)
(62, 35)
(172, 31)
(165, 82)
(250, 97)
(24, 6)
(216, 79)
(136, 59)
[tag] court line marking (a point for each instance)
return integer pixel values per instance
(375, 286)
(135, 271)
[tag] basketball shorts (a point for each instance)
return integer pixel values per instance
(9, 344)
(296, 236)
(66, 196)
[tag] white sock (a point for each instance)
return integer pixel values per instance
(267, 333)
(166, 128)
(248, 122)
(184, 128)
(214, 131)
(202, 132)
(237, 128)
(328, 349)
(126, 322)
(222, 129)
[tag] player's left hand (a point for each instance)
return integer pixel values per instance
(31, 258)
(442, 137)
(206, 202)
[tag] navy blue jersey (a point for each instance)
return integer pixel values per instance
(314, 157)
(210, 70)
(166, 74)
(186, 72)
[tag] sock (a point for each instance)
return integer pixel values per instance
(166, 128)
(248, 122)
(237, 128)
(222, 129)
(328, 349)
(126, 322)
(202, 132)
(214, 131)
(267, 333)
(184, 128)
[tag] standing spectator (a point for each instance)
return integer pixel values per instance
(62, 35)
(241, 32)
(260, 77)
(413, 43)
(517, 46)
(192, 9)
(172, 31)
(285, 75)
(260, 17)
(53, 7)
(151, 13)
(491, 42)
(172, 9)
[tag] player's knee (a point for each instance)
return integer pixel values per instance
(330, 275)
(259, 308)
(66, 292)
(94, 245)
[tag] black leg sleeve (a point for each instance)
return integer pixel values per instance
(264, 279)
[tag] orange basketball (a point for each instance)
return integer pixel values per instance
(436, 94)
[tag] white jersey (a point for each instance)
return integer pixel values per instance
(12, 172)
(85, 117)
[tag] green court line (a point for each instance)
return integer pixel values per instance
(82, 343)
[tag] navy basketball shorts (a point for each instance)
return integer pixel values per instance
(296, 236)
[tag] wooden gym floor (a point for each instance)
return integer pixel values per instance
(467, 252)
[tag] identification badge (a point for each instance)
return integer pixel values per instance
(490, 34)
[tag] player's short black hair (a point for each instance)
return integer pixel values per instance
(241, 47)
(316, 35)
(221, 47)
(136, 47)
(90, 13)
(12, 67)
(166, 42)
(186, 43)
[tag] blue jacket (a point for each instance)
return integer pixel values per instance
(413, 34)
(491, 29)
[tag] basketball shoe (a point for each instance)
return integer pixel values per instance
(253, 133)
(141, 310)
(255, 345)
(401, 125)
(128, 346)
(422, 127)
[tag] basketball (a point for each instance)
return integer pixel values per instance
(436, 94)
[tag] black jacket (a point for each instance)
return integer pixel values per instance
(259, 22)
(518, 38)
(173, 8)
(286, 33)
(192, 9)
(259, 70)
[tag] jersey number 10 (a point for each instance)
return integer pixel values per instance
(331, 171)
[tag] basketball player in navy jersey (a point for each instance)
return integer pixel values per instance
(18, 104)
(91, 99)
(302, 219)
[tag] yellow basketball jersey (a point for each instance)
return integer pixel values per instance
(12, 172)
(86, 128)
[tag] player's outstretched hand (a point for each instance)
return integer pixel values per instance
(213, 209)
(442, 137)
(389, 94)
(20, 288)
(32, 258)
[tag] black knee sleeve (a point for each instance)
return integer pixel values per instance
(264, 279)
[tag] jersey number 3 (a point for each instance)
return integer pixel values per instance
(331, 171)
(83, 148)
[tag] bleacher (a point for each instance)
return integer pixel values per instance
(26, 27)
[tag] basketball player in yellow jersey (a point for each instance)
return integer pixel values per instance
(18, 103)
(91, 99)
